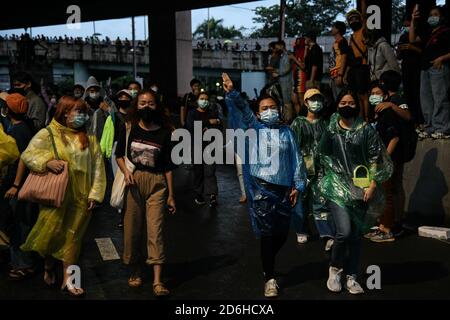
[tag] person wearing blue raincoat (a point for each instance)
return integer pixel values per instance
(273, 179)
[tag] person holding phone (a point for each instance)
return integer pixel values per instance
(147, 144)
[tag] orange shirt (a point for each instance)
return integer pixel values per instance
(358, 37)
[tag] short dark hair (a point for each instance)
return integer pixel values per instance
(341, 27)
(376, 84)
(281, 43)
(312, 35)
(22, 77)
(391, 80)
(135, 82)
(194, 81)
(265, 96)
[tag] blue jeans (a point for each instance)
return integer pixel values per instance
(434, 86)
(346, 249)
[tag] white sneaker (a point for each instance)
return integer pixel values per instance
(353, 286)
(302, 238)
(271, 289)
(334, 279)
(329, 244)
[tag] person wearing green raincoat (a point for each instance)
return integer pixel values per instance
(58, 232)
(348, 148)
(308, 132)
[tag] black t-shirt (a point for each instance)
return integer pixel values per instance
(119, 122)
(398, 100)
(314, 58)
(388, 126)
(147, 150)
(436, 44)
(410, 59)
(189, 101)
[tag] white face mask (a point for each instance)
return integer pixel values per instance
(53, 100)
(203, 103)
(133, 93)
(154, 89)
(375, 99)
(269, 116)
(315, 106)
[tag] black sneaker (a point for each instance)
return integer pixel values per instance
(199, 200)
(213, 201)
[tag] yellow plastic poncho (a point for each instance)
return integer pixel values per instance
(8, 149)
(59, 232)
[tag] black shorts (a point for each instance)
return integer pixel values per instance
(358, 79)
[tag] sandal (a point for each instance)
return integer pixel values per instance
(160, 290)
(20, 274)
(74, 292)
(135, 282)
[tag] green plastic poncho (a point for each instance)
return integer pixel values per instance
(341, 151)
(59, 232)
(308, 135)
(8, 149)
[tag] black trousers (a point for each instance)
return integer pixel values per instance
(205, 180)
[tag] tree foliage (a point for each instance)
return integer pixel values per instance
(217, 30)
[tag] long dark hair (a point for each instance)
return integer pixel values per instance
(348, 92)
(133, 116)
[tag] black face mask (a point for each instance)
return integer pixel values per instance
(148, 114)
(347, 112)
(124, 104)
(18, 90)
(355, 26)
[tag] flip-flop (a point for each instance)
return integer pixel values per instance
(160, 290)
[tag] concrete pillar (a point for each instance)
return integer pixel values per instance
(184, 51)
(163, 53)
(80, 72)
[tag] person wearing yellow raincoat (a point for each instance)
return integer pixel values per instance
(59, 232)
(8, 149)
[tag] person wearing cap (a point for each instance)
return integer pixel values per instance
(308, 131)
(24, 214)
(358, 74)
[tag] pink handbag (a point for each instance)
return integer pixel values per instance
(46, 188)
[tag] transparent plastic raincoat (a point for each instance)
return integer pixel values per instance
(341, 151)
(59, 232)
(8, 149)
(269, 208)
(308, 135)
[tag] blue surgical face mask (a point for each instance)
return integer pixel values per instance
(405, 30)
(315, 106)
(269, 116)
(203, 103)
(79, 120)
(434, 21)
(375, 99)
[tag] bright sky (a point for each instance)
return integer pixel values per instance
(237, 15)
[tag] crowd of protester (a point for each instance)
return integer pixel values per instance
(328, 135)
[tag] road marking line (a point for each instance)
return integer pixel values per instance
(107, 249)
